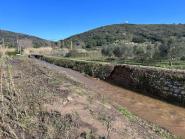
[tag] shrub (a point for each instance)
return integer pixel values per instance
(183, 58)
(107, 51)
(118, 51)
(97, 70)
(72, 53)
(11, 53)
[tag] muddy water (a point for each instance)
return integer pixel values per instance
(166, 115)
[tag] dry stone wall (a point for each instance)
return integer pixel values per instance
(163, 83)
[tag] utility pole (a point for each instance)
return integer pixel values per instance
(3, 43)
(18, 45)
(71, 45)
(59, 44)
(3, 47)
(20, 49)
(63, 44)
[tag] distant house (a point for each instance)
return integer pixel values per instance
(78, 44)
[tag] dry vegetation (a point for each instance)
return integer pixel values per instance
(8, 51)
(41, 51)
(37, 102)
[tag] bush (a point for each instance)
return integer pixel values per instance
(11, 53)
(107, 51)
(183, 58)
(72, 53)
(118, 51)
(114, 50)
(138, 39)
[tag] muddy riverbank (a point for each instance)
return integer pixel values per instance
(164, 84)
(166, 115)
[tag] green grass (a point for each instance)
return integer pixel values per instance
(160, 131)
(126, 113)
(163, 63)
(156, 63)
(176, 64)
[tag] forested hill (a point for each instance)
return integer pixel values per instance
(11, 39)
(129, 32)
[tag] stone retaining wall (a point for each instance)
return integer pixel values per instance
(163, 83)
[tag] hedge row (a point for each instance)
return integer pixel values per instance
(94, 69)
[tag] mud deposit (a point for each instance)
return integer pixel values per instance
(166, 115)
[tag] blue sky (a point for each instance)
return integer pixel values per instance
(58, 19)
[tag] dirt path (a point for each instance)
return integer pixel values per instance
(166, 115)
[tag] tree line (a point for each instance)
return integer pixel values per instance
(169, 48)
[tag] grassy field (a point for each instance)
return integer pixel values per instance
(156, 63)
(176, 64)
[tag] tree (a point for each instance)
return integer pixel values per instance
(91, 43)
(140, 53)
(165, 47)
(151, 50)
(118, 51)
(138, 39)
(107, 51)
(172, 49)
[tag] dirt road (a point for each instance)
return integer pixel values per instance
(166, 115)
